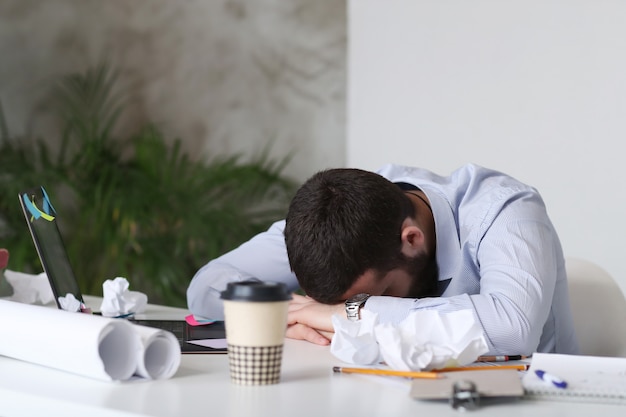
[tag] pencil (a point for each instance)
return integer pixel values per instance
(482, 368)
(388, 372)
(501, 358)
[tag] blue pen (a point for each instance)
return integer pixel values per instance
(557, 382)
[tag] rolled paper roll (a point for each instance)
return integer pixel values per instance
(83, 344)
(160, 355)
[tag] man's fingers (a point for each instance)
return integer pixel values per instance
(301, 332)
(327, 335)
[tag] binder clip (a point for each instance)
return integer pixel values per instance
(465, 396)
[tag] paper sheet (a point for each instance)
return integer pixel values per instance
(84, 344)
(210, 343)
(588, 378)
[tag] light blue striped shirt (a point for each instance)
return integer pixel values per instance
(497, 251)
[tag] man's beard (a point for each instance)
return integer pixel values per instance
(425, 273)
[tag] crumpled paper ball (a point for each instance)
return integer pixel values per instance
(119, 301)
(70, 303)
(425, 339)
(354, 341)
(29, 288)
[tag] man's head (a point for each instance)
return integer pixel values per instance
(345, 228)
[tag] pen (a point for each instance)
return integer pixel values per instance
(387, 372)
(557, 382)
(482, 368)
(501, 358)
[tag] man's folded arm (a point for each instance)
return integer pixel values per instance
(263, 257)
(516, 293)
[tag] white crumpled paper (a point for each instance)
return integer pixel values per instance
(70, 303)
(118, 300)
(424, 340)
(29, 288)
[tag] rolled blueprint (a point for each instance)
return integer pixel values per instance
(84, 344)
(160, 354)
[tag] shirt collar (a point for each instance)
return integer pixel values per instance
(448, 250)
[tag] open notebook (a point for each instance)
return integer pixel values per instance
(41, 219)
(586, 378)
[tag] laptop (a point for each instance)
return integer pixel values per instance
(41, 218)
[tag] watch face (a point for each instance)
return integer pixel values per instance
(354, 304)
(358, 298)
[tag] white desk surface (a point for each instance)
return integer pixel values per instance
(202, 387)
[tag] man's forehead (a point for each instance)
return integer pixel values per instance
(369, 282)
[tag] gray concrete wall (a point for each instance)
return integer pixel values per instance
(225, 76)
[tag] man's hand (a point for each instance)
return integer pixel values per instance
(309, 320)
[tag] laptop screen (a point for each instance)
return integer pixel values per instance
(41, 219)
(42, 223)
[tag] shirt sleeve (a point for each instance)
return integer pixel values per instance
(518, 263)
(263, 257)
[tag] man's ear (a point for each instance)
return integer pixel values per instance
(413, 239)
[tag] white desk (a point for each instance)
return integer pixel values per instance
(202, 387)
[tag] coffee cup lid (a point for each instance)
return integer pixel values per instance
(253, 290)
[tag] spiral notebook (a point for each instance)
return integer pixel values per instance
(588, 378)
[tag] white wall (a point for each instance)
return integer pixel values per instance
(535, 88)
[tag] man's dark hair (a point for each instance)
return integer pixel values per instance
(341, 223)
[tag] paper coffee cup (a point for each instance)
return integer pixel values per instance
(255, 315)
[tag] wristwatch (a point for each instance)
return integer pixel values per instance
(354, 305)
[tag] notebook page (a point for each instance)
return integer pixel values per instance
(589, 378)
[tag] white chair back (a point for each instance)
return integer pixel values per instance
(598, 307)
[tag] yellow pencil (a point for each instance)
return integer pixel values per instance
(482, 368)
(388, 372)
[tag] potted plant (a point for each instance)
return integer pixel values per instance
(137, 206)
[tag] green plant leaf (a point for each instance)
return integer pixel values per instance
(136, 206)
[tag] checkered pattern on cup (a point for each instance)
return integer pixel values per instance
(255, 365)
